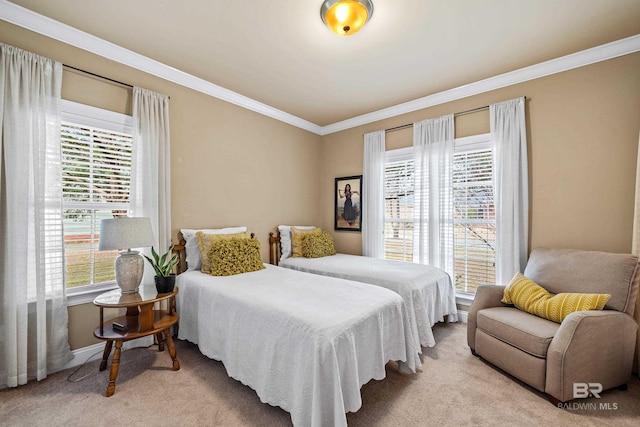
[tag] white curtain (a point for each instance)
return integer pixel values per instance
(151, 166)
(635, 249)
(433, 146)
(373, 195)
(511, 183)
(33, 319)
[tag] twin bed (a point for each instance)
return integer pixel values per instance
(304, 342)
(427, 291)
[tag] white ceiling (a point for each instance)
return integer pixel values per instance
(278, 52)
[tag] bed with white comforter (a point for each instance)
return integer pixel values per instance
(427, 291)
(303, 342)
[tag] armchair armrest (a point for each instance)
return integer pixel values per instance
(486, 296)
(590, 347)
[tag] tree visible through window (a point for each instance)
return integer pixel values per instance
(398, 205)
(96, 175)
(474, 212)
(474, 219)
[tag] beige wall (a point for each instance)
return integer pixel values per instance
(231, 166)
(583, 129)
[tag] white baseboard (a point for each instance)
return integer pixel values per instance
(463, 316)
(82, 355)
(94, 352)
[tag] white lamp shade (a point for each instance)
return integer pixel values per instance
(125, 233)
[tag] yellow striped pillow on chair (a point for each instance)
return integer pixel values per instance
(524, 293)
(527, 295)
(561, 305)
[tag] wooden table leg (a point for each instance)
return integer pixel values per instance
(105, 355)
(145, 318)
(115, 365)
(160, 340)
(172, 349)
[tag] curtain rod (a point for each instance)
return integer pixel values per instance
(461, 113)
(98, 76)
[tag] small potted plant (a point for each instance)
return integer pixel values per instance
(163, 265)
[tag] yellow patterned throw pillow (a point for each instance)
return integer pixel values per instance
(527, 295)
(296, 239)
(234, 256)
(524, 293)
(317, 245)
(206, 240)
(561, 305)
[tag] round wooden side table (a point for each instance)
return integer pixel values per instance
(141, 320)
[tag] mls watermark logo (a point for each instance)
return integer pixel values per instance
(584, 390)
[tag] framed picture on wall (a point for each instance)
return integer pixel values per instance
(348, 207)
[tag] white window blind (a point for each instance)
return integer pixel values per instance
(474, 213)
(474, 219)
(96, 176)
(398, 205)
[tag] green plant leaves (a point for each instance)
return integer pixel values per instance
(163, 265)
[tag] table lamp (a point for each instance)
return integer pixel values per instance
(127, 232)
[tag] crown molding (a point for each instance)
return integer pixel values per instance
(564, 63)
(51, 28)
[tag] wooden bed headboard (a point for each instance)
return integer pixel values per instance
(182, 254)
(180, 249)
(274, 249)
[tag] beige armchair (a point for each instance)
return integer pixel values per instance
(587, 347)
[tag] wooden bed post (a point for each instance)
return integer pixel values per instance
(182, 254)
(274, 249)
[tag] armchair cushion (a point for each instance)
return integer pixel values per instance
(527, 295)
(529, 333)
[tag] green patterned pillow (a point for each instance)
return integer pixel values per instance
(234, 256)
(316, 245)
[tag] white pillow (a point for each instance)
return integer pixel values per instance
(285, 238)
(192, 249)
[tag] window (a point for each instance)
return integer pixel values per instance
(474, 213)
(398, 205)
(96, 174)
(474, 216)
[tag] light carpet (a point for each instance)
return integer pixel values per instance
(454, 389)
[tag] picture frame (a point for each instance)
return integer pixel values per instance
(348, 207)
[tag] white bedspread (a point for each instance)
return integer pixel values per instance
(427, 291)
(304, 342)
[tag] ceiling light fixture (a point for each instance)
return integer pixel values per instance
(346, 17)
